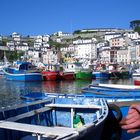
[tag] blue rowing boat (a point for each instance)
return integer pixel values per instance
(120, 99)
(112, 88)
(58, 118)
(29, 96)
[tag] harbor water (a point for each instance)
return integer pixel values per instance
(10, 90)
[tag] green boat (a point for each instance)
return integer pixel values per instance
(83, 75)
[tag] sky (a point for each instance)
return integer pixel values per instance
(39, 17)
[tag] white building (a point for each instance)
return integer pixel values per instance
(61, 34)
(45, 38)
(34, 56)
(22, 47)
(132, 35)
(41, 41)
(49, 57)
(109, 36)
(104, 54)
(16, 37)
(117, 42)
(123, 55)
(138, 52)
(85, 50)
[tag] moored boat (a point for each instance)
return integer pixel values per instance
(136, 73)
(113, 87)
(83, 75)
(136, 77)
(23, 71)
(100, 74)
(136, 81)
(113, 93)
(50, 75)
(124, 74)
(55, 118)
(66, 75)
(123, 101)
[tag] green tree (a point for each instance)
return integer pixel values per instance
(4, 42)
(13, 55)
(135, 25)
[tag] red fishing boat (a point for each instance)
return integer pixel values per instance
(66, 75)
(49, 75)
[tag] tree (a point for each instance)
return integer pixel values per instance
(135, 25)
(13, 55)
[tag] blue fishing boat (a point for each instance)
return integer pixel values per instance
(56, 119)
(100, 74)
(23, 71)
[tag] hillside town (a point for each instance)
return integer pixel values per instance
(88, 47)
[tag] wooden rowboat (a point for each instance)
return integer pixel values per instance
(55, 118)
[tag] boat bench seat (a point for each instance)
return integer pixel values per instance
(74, 106)
(28, 114)
(39, 131)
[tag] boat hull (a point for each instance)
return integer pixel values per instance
(50, 75)
(24, 71)
(83, 75)
(136, 78)
(23, 76)
(114, 75)
(100, 75)
(124, 74)
(66, 75)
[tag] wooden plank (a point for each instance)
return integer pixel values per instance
(74, 106)
(29, 114)
(27, 105)
(72, 114)
(41, 130)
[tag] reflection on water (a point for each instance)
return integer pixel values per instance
(10, 90)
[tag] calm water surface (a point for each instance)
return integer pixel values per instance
(10, 90)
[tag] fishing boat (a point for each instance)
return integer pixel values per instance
(100, 72)
(50, 75)
(100, 75)
(136, 81)
(66, 75)
(83, 75)
(22, 71)
(55, 119)
(136, 76)
(136, 73)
